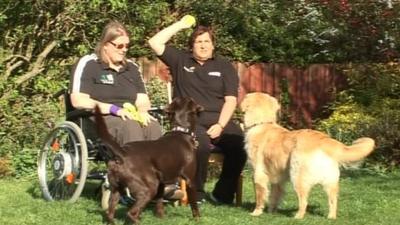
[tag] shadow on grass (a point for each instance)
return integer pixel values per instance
(91, 190)
(288, 212)
(121, 212)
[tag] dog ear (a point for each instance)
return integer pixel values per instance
(276, 105)
(170, 108)
(199, 108)
(167, 109)
(243, 105)
(195, 107)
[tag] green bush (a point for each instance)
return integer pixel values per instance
(369, 107)
(24, 129)
(347, 122)
(386, 132)
(157, 91)
(24, 162)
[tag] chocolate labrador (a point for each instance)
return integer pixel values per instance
(144, 167)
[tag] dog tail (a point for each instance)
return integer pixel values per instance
(357, 151)
(107, 139)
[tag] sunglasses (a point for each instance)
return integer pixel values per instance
(119, 46)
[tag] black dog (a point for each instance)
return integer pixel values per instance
(144, 167)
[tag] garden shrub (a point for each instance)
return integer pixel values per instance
(157, 91)
(386, 132)
(369, 107)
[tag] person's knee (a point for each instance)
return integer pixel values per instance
(131, 131)
(153, 130)
(131, 125)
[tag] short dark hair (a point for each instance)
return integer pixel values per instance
(199, 30)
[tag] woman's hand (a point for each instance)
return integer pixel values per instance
(215, 130)
(125, 114)
(187, 21)
(146, 118)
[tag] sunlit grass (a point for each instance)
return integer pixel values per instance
(365, 198)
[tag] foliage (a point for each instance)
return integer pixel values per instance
(302, 32)
(24, 162)
(364, 31)
(347, 121)
(369, 107)
(386, 132)
(157, 90)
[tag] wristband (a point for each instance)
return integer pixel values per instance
(114, 110)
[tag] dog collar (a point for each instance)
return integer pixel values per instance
(187, 131)
(257, 124)
(183, 129)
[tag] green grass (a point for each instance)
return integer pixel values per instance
(365, 198)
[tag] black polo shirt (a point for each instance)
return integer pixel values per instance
(207, 84)
(91, 76)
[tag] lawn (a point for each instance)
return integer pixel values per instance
(365, 198)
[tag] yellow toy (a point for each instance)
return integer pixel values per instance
(189, 20)
(133, 111)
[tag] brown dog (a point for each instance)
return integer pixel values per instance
(145, 166)
(308, 157)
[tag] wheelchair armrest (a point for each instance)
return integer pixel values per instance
(78, 113)
(60, 92)
(157, 109)
(157, 112)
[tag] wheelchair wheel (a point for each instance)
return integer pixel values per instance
(63, 163)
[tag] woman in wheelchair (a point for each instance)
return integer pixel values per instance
(108, 79)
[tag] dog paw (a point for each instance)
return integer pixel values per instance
(257, 212)
(159, 214)
(299, 216)
(331, 216)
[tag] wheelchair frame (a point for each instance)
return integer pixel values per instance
(63, 159)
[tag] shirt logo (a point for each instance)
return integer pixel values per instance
(216, 74)
(107, 79)
(190, 69)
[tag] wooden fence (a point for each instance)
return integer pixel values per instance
(303, 93)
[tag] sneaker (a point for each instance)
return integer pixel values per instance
(126, 200)
(213, 199)
(216, 201)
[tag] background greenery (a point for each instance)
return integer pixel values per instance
(41, 39)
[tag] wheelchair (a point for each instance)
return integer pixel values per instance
(63, 160)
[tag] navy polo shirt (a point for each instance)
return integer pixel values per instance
(207, 84)
(93, 77)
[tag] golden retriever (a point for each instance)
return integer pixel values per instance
(307, 157)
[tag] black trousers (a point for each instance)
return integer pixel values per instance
(231, 144)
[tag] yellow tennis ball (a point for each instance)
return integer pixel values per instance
(189, 20)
